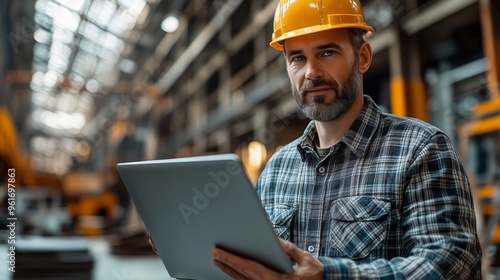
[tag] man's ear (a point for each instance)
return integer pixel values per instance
(365, 57)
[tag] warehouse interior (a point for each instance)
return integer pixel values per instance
(87, 84)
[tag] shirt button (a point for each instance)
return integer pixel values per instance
(310, 248)
(322, 169)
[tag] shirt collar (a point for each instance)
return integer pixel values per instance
(356, 138)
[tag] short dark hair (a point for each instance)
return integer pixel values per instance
(357, 39)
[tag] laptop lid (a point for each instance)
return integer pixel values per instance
(191, 205)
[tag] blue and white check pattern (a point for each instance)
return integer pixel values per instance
(390, 201)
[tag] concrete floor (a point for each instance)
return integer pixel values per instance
(108, 266)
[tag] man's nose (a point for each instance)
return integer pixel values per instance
(314, 70)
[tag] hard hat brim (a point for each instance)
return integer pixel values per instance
(278, 42)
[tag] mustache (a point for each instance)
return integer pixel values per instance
(309, 85)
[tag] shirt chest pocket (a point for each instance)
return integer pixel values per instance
(281, 217)
(358, 226)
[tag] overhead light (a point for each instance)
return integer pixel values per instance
(50, 79)
(41, 36)
(76, 81)
(75, 5)
(92, 86)
(66, 18)
(37, 80)
(128, 66)
(60, 119)
(257, 153)
(170, 24)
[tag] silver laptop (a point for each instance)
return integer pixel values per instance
(191, 205)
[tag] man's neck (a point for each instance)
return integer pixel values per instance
(330, 132)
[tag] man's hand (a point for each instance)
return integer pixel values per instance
(153, 245)
(237, 267)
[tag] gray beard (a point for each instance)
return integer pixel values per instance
(318, 110)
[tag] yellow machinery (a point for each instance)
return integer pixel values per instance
(10, 149)
(485, 124)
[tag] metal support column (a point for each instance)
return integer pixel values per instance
(417, 95)
(491, 37)
(398, 83)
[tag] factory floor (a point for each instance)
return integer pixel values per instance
(106, 266)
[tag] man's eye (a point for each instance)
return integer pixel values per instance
(329, 53)
(298, 58)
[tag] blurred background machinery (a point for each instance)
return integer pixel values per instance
(89, 83)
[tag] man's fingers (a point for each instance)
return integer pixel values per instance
(228, 270)
(236, 263)
(153, 245)
(293, 251)
(307, 265)
(248, 269)
(241, 268)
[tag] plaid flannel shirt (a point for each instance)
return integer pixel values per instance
(389, 201)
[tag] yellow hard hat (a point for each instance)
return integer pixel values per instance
(300, 17)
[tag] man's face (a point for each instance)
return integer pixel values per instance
(324, 74)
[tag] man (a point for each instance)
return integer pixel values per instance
(362, 194)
